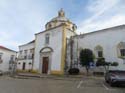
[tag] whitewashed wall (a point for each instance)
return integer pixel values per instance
(55, 43)
(69, 33)
(26, 61)
(108, 39)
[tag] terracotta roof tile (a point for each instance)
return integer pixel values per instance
(2, 47)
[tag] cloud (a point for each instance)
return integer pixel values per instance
(105, 13)
(21, 19)
(93, 26)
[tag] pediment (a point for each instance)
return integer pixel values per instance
(46, 49)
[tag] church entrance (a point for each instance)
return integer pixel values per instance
(45, 65)
(45, 60)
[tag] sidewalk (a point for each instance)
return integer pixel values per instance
(65, 77)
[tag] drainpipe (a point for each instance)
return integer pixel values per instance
(71, 51)
(66, 66)
(77, 52)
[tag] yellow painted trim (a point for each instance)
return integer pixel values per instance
(55, 72)
(63, 48)
(32, 71)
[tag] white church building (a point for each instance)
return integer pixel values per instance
(52, 53)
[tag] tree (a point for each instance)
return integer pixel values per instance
(106, 65)
(86, 57)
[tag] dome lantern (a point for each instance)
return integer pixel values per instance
(61, 13)
(60, 19)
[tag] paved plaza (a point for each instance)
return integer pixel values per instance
(48, 85)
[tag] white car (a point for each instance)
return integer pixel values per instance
(114, 77)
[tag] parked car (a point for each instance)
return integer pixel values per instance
(1, 72)
(115, 77)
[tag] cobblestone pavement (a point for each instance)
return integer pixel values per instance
(45, 85)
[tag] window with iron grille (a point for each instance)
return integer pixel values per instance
(100, 54)
(122, 51)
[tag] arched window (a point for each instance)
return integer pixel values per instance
(98, 51)
(121, 49)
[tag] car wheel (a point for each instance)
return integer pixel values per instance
(111, 84)
(107, 81)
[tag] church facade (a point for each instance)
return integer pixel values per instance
(56, 48)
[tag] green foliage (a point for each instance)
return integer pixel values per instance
(73, 71)
(122, 57)
(114, 64)
(102, 62)
(86, 56)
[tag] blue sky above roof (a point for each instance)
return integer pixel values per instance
(21, 19)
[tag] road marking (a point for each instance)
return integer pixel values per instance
(105, 86)
(80, 83)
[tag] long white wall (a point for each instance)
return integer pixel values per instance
(108, 39)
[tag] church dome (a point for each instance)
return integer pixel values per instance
(59, 20)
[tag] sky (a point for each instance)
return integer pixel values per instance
(21, 19)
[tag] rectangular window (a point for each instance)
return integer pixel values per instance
(100, 54)
(122, 51)
(47, 39)
(32, 51)
(25, 54)
(1, 57)
(25, 51)
(21, 52)
(12, 57)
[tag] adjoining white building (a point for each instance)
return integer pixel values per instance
(53, 52)
(26, 56)
(7, 58)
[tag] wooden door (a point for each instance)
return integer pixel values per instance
(24, 64)
(45, 65)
